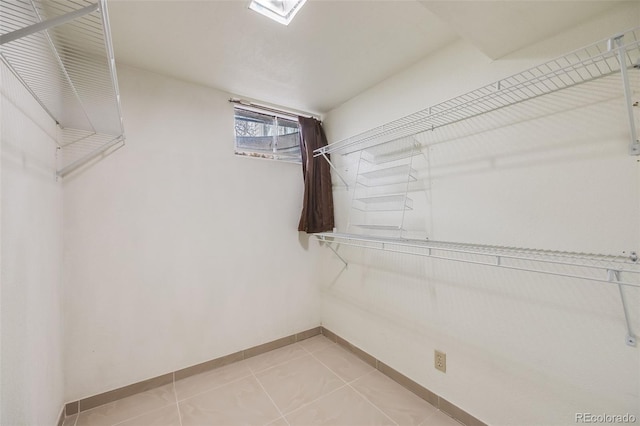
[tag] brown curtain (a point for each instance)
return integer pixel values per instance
(317, 207)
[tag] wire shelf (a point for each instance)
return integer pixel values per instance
(374, 227)
(554, 82)
(389, 202)
(61, 52)
(588, 266)
(387, 176)
(399, 149)
(580, 66)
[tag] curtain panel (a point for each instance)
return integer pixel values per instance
(317, 207)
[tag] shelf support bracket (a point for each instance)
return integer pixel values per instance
(322, 239)
(49, 23)
(634, 147)
(614, 276)
(346, 265)
(335, 169)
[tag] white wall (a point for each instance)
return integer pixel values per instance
(31, 391)
(522, 348)
(176, 250)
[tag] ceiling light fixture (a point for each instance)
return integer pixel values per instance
(281, 11)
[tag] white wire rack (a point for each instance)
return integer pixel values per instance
(601, 59)
(588, 266)
(61, 51)
(622, 270)
(611, 58)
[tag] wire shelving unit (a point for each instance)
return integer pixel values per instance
(61, 52)
(616, 55)
(606, 57)
(622, 270)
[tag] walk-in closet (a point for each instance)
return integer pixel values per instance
(348, 213)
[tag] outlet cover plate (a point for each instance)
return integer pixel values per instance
(440, 361)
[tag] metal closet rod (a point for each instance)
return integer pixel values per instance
(271, 109)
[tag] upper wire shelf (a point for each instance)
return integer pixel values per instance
(61, 52)
(597, 60)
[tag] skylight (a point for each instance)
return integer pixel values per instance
(281, 11)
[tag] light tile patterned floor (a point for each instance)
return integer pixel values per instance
(313, 382)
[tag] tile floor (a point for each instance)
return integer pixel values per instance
(312, 382)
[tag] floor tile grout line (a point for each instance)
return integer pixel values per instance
(275, 420)
(140, 415)
(271, 399)
(318, 350)
(422, 423)
(126, 397)
(310, 402)
(305, 352)
(280, 363)
(215, 387)
(374, 405)
(329, 368)
(348, 352)
(317, 399)
(364, 396)
(175, 395)
(346, 383)
(336, 373)
(252, 373)
(349, 383)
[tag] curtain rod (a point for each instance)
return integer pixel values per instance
(266, 108)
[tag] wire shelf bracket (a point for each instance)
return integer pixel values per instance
(61, 52)
(335, 169)
(335, 251)
(614, 277)
(616, 44)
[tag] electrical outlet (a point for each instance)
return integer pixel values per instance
(440, 361)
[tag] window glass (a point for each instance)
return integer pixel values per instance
(266, 135)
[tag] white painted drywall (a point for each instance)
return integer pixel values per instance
(522, 348)
(176, 250)
(31, 391)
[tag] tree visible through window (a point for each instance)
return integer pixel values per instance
(266, 135)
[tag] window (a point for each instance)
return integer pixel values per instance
(267, 135)
(281, 11)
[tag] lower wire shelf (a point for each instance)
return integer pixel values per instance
(622, 270)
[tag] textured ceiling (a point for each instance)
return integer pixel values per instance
(501, 27)
(332, 51)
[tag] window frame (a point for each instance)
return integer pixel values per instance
(275, 154)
